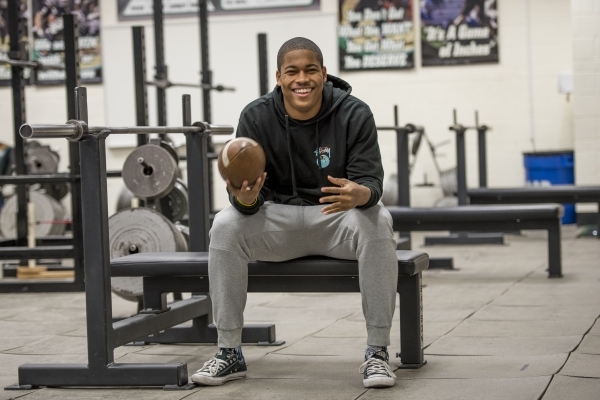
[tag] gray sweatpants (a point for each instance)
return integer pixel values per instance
(282, 232)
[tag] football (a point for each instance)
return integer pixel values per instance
(241, 159)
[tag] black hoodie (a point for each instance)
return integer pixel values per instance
(340, 141)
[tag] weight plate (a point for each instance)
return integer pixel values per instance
(41, 160)
(140, 230)
(447, 201)
(150, 172)
(176, 202)
(124, 200)
(448, 182)
(167, 145)
(56, 190)
(389, 196)
(49, 216)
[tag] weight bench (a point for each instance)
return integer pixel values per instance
(188, 272)
(487, 219)
(566, 194)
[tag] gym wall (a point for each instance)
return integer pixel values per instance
(586, 104)
(517, 97)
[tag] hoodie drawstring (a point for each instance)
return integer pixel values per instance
(289, 137)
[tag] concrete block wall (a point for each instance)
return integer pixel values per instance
(427, 96)
(585, 15)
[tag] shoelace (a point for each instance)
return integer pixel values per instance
(214, 366)
(376, 366)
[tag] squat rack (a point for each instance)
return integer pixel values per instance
(103, 336)
(48, 247)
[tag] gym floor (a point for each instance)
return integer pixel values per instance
(497, 328)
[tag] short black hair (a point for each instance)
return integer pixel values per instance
(298, 43)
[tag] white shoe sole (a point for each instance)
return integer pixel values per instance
(217, 381)
(379, 382)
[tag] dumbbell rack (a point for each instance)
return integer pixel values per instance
(60, 247)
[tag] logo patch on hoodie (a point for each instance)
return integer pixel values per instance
(323, 154)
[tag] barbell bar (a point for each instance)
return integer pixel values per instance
(36, 65)
(165, 84)
(74, 130)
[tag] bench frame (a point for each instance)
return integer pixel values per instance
(409, 288)
(553, 228)
(565, 194)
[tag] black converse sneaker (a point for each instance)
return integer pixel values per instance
(376, 371)
(227, 365)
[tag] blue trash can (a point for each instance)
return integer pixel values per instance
(552, 168)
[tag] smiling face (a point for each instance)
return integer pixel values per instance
(301, 78)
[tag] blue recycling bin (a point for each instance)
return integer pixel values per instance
(552, 168)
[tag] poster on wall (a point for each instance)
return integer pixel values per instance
(48, 43)
(456, 32)
(5, 70)
(135, 9)
(376, 34)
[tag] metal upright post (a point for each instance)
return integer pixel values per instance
(206, 88)
(461, 163)
(161, 68)
(403, 166)
(15, 31)
(96, 245)
(139, 72)
(72, 81)
(204, 54)
(198, 195)
(481, 144)
(263, 74)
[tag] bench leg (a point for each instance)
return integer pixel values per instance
(411, 322)
(554, 252)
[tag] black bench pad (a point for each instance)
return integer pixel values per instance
(546, 194)
(481, 213)
(196, 264)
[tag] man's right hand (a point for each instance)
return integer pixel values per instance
(246, 194)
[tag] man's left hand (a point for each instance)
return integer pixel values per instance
(345, 196)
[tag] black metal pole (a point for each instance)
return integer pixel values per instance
(403, 166)
(481, 133)
(15, 31)
(206, 74)
(396, 117)
(160, 67)
(461, 162)
(100, 334)
(199, 194)
(481, 145)
(263, 73)
(139, 75)
(71, 37)
(206, 85)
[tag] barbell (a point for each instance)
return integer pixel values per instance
(165, 84)
(75, 130)
(35, 65)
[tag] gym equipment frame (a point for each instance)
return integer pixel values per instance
(102, 335)
(468, 217)
(463, 237)
(48, 247)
